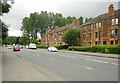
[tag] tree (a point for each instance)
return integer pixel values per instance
(39, 22)
(86, 20)
(4, 30)
(11, 40)
(71, 36)
(80, 19)
(23, 40)
(4, 8)
(69, 20)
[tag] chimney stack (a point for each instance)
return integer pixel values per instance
(56, 27)
(74, 24)
(111, 10)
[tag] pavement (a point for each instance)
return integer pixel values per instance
(0, 65)
(16, 68)
(116, 56)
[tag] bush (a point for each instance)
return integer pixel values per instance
(59, 47)
(78, 48)
(41, 46)
(99, 48)
(112, 49)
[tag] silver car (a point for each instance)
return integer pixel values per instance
(52, 49)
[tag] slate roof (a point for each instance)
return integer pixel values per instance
(102, 16)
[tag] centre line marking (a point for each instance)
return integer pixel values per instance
(88, 67)
(114, 63)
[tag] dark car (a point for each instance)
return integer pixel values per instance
(16, 48)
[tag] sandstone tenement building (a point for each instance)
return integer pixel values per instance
(103, 29)
(54, 37)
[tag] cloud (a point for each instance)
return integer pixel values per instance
(77, 8)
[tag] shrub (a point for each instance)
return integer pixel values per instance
(41, 46)
(106, 50)
(59, 47)
(78, 48)
(112, 49)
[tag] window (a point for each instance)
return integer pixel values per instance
(100, 24)
(90, 35)
(91, 26)
(97, 34)
(112, 42)
(104, 42)
(112, 21)
(116, 41)
(112, 32)
(95, 42)
(97, 25)
(84, 36)
(116, 32)
(116, 22)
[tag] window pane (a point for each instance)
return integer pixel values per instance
(112, 21)
(112, 32)
(116, 21)
(99, 24)
(116, 32)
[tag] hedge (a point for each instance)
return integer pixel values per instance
(111, 49)
(41, 46)
(59, 47)
(78, 48)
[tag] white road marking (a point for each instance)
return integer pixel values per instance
(68, 56)
(114, 63)
(101, 61)
(38, 55)
(88, 67)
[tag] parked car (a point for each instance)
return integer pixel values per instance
(16, 48)
(52, 49)
(9, 46)
(32, 46)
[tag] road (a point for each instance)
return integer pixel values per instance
(69, 66)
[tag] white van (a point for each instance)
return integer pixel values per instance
(32, 46)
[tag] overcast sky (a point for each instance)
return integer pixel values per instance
(77, 8)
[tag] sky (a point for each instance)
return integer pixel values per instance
(77, 8)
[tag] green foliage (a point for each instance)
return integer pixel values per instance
(59, 47)
(106, 50)
(42, 46)
(78, 48)
(11, 40)
(34, 41)
(23, 40)
(71, 36)
(4, 31)
(114, 49)
(111, 49)
(80, 19)
(88, 19)
(5, 7)
(69, 20)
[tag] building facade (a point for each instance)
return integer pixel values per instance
(54, 37)
(104, 29)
